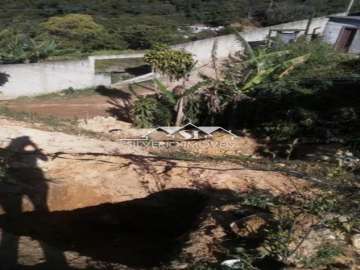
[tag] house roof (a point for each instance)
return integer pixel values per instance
(346, 19)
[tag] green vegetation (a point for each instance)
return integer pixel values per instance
(304, 90)
(290, 93)
(287, 96)
(147, 112)
(77, 32)
(174, 64)
(81, 27)
(18, 48)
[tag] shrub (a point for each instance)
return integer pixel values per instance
(77, 31)
(20, 48)
(173, 63)
(150, 112)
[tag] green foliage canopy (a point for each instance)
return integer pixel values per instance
(122, 24)
(77, 31)
(19, 48)
(175, 64)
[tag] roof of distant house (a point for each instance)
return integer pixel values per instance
(346, 19)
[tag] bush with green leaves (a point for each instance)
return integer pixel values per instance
(146, 36)
(300, 90)
(20, 48)
(152, 111)
(175, 64)
(77, 32)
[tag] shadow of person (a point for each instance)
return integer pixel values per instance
(140, 233)
(22, 179)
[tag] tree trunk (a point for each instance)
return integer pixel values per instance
(180, 112)
(180, 106)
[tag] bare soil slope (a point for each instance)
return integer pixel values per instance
(89, 190)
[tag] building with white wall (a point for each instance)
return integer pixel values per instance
(344, 33)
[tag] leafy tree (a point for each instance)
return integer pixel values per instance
(152, 111)
(77, 31)
(176, 65)
(143, 23)
(19, 48)
(143, 36)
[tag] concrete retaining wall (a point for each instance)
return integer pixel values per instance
(41, 78)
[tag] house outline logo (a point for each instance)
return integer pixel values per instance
(186, 134)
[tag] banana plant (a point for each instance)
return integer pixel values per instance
(18, 48)
(255, 67)
(177, 99)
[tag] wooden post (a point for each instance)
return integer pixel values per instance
(308, 25)
(349, 8)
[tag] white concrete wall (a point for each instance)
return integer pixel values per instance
(40, 78)
(228, 44)
(355, 46)
(332, 31)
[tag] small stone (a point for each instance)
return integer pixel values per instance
(178, 265)
(232, 264)
(250, 225)
(355, 239)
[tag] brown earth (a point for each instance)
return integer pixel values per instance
(81, 107)
(105, 204)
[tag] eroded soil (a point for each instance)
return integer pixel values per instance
(77, 203)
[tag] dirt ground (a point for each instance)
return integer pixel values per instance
(80, 104)
(81, 107)
(95, 195)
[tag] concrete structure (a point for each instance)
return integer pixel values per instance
(344, 33)
(41, 78)
(229, 44)
(53, 76)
